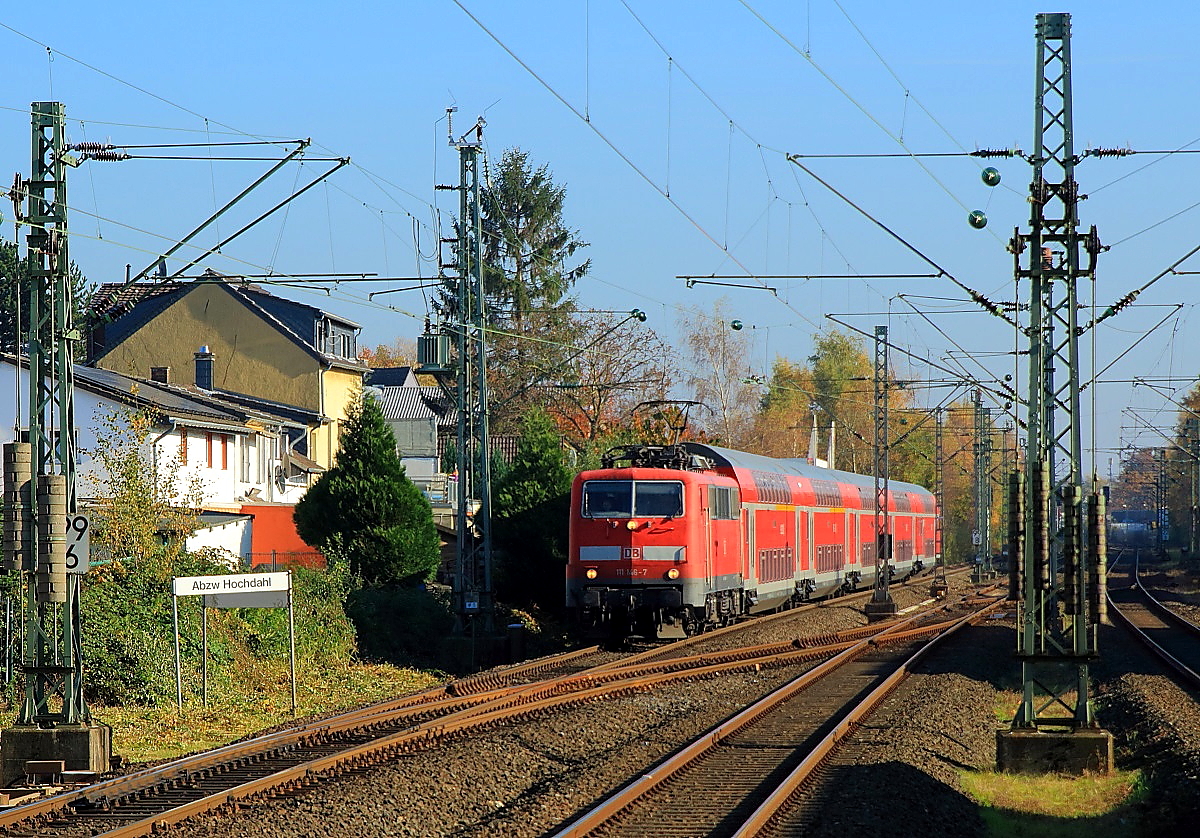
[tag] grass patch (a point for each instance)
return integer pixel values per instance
(143, 734)
(1007, 702)
(1054, 806)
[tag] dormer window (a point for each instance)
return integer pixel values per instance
(334, 338)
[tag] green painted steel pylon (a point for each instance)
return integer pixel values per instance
(1055, 637)
(881, 605)
(981, 537)
(474, 597)
(53, 689)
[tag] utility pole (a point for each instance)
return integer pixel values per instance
(39, 480)
(1056, 633)
(1193, 443)
(881, 605)
(1006, 504)
(982, 536)
(465, 322)
(940, 586)
(1161, 516)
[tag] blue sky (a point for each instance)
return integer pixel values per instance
(636, 101)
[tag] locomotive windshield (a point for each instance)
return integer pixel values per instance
(629, 499)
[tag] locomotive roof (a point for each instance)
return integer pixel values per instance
(796, 466)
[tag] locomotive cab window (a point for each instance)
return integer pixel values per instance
(658, 499)
(608, 498)
(626, 498)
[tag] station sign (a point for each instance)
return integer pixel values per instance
(240, 590)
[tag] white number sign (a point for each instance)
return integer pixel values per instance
(79, 547)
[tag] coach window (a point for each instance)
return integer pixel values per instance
(658, 500)
(723, 504)
(608, 499)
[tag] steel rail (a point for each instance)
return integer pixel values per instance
(778, 800)
(455, 702)
(525, 703)
(675, 646)
(667, 769)
(457, 714)
(1168, 618)
(433, 700)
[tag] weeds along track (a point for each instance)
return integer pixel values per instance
(748, 775)
(289, 759)
(1170, 636)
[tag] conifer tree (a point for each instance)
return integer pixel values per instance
(14, 298)
(532, 502)
(366, 509)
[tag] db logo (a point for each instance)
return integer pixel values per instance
(631, 552)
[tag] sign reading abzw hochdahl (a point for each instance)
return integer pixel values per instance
(241, 590)
(238, 590)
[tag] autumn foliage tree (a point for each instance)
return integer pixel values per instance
(141, 496)
(619, 363)
(717, 357)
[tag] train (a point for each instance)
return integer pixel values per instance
(694, 536)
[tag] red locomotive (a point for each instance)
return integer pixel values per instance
(697, 536)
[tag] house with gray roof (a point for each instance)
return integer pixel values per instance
(257, 345)
(238, 456)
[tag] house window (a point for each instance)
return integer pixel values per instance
(247, 454)
(183, 439)
(217, 447)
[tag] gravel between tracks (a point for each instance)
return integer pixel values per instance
(528, 778)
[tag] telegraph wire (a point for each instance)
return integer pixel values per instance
(974, 295)
(862, 108)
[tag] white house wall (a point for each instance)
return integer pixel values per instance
(232, 539)
(249, 462)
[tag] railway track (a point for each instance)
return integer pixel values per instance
(743, 777)
(290, 759)
(1171, 637)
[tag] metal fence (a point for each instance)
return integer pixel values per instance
(283, 559)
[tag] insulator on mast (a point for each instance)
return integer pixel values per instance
(1097, 558)
(1016, 536)
(1070, 549)
(1041, 526)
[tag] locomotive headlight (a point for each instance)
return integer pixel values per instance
(631, 525)
(673, 573)
(591, 573)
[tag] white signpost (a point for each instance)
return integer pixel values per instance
(240, 590)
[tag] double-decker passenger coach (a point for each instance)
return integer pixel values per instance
(697, 536)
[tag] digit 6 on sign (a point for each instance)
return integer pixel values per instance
(78, 543)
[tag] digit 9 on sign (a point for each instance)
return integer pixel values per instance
(78, 543)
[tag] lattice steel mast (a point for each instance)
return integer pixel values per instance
(940, 586)
(53, 690)
(466, 322)
(982, 535)
(881, 604)
(39, 483)
(1054, 642)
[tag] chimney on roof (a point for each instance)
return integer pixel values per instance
(162, 375)
(204, 369)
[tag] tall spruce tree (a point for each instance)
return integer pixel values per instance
(366, 509)
(532, 260)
